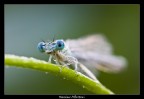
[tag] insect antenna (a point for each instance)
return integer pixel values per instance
(53, 38)
(43, 41)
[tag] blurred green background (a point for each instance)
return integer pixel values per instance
(26, 25)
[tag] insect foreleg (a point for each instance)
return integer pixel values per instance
(76, 66)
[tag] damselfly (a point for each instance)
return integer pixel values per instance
(86, 54)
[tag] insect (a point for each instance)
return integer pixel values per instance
(86, 54)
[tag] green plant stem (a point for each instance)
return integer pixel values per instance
(92, 85)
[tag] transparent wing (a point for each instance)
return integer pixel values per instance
(95, 52)
(93, 43)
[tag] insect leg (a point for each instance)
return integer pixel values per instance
(49, 60)
(76, 66)
(72, 60)
(62, 65)
(57, 62)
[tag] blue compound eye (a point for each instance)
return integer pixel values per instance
(41, 46)
(60, 45)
